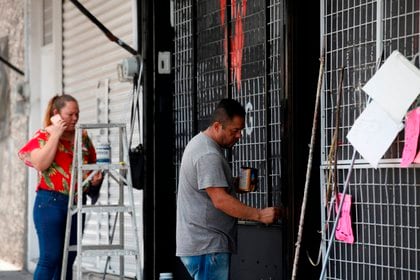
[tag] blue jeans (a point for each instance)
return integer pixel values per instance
(50, 215)
(213, 266)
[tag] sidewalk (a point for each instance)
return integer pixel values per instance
(15, 275)
(10, 272)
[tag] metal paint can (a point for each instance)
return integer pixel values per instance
(103, 153)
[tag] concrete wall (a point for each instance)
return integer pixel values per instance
(13, 178)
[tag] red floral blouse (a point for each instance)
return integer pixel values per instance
(57, 177)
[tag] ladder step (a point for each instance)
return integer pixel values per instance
(100, 125)
(104, 209)
(104, 250)
(105, 166)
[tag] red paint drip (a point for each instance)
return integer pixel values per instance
(238, 12)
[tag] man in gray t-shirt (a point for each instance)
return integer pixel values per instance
(207, 208)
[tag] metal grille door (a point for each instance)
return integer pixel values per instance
(385, 201)
(233, 49)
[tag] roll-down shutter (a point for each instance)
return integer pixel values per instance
(90, 74)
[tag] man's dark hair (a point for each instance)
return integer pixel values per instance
(226, 110)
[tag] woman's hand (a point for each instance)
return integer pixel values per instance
(96, 179)
(42, 158)
(58, 125)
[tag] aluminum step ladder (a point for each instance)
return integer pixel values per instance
(121, 173)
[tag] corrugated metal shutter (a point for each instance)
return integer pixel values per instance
(89, 74)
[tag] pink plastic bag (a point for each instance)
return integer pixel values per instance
(344, 231)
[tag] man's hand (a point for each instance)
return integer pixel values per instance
(235, 208)
(269, 215)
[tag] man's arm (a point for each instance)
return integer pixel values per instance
(235, 208)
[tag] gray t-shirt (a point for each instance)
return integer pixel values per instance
(201, 228)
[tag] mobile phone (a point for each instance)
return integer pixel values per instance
(55, 119)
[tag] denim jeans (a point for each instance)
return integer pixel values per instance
(213, 266)
(50, 215)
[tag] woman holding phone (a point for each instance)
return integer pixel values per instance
(50, 152)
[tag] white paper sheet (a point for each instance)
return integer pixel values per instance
(395, 85)
(373, 132)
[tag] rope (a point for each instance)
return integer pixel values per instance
(308, 169)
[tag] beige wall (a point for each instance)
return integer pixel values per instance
(13, 182)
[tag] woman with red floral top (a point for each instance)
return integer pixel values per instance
(50, 152)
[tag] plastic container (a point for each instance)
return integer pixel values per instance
(166, 276)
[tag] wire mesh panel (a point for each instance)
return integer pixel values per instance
(260, 90)
(386, 215)
(234, 50)
(183, 56)
(349, 36)
(385, 201)
(211, 59)
(275, 88)
(251, 91)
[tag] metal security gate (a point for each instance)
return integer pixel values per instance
(254, 79)
(235, 49)
(385, 201)
(90, 74)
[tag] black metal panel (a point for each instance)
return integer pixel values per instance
(259, 255)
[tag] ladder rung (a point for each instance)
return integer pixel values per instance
(105, 166)
(99, 125)
(111, 253)
(106, 208)
(104, 250)
(97, 251)
(101, 247)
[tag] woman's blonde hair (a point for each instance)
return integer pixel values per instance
(57, 102)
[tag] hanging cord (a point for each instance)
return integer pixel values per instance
(134, 112)
(105, 30)
(346, 183)
(332, 172)
(135, 108)
(309, 167)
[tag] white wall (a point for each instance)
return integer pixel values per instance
(44, 81)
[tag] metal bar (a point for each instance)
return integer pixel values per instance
(379, 29)
(269, 197)
(12, 66)
(194, 97)
(79, 163)
(327, 254)
(121, 201)
(69, 212)
(131, 202)
(228, 50)
(102, 27)
(228, 61)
